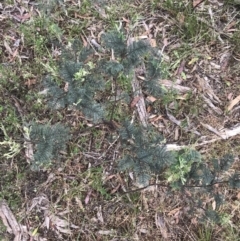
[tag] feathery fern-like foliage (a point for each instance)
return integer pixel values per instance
(49, 141)
(130, 56)
(205, 179)
(115, 41)
(80, 79)
(80, 84)
(145, 152)
(202, 175)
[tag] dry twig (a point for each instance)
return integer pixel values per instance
(11, 223)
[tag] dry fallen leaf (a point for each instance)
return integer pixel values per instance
(30, 82)
(194, 221)
(151, 99)
(135, 101)
(193, 60)
(182, 97)
(233, 103)
(126, 20)
(229, 96)
(23, 18)
(165, 42)
(60, 224)
(153, 43)
(231, 25)
(154, 118)
(171, 85)
(224, 61)
(87, 198)
(160, 223)
(99, 214)
(143, 230)
(214, 205)
(116, 188)
(174, 211)
(14, 54)
(196, 3)
(106, 232)
(238, 196)
(79, 202)
(180, 18)
(6, 45)
(210, 104)
(85, 43)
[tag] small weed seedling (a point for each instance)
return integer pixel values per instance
(84, 85)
